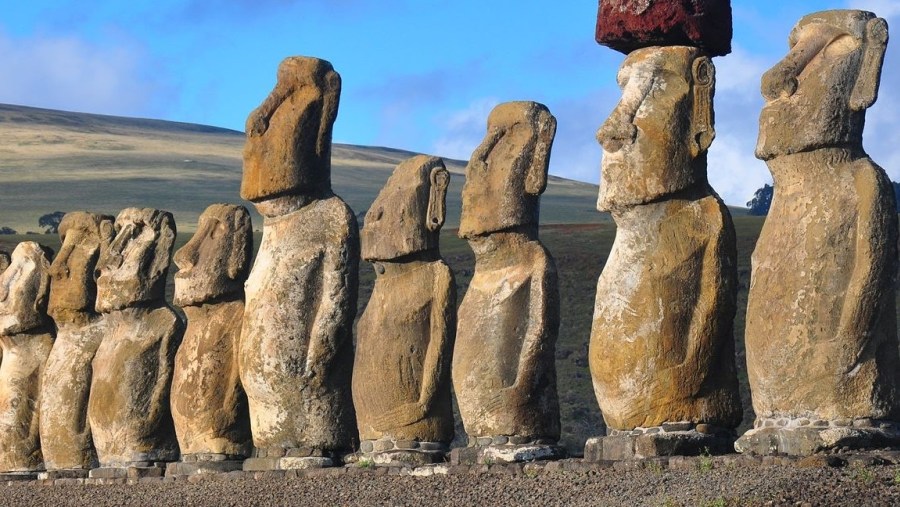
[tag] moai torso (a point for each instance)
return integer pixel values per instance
(132, 371)
(209, 406)
(504, 372)
(401, 373)
(662, 348)
(65, 432)
(296, 342)
(26, 338)
(821, 324)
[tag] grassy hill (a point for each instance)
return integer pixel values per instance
(55, 160)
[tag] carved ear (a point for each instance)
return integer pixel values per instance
(437, 197)
(330, 103)
(106, 233)
(165, 240)
(865, 91)
(536, 177)
(241, 244)
(703, 130)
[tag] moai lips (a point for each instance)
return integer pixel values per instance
(209, 406)
(401, 373)
(26, 336)
(821, 333)
(626, 25)
(128, 408)
(66, 382)
(504, 371)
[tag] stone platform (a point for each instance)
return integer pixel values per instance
(130, 471)
(299, 458)
(500, 450)
(68, 473)
(207, 463)
(18, 476)
(670, 439)
(804, 437)
(409, 453)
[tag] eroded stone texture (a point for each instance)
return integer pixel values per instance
(26, 336)
(128, 408)
(626, 25)
(662, 349)
(821, 325)
(65, 433)
(209, 406)
(401, 373)
(296, 352)
(504, 374)
(4, 261)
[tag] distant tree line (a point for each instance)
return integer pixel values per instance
(762, 199)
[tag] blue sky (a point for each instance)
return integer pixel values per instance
(418, 75)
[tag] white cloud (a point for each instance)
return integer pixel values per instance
(72, 74)
(464, 129)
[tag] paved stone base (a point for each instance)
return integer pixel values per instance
(676, 439)
(133, 471)
(286, 463)
(409, 453)
(183, 468)
(505, 453)
(69, 473)
(18, 476)
(803, 437)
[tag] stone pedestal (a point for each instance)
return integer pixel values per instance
(674, 439)
(18, 476)
(498, 453)
(803, 437)
(205, 463)
(300, 458)
(409, 453)
(67, 473)
(132, 471)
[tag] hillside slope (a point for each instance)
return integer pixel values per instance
(55, 160)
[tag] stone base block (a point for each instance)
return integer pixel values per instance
(802, 437)
(631, 446)
(18, 476)
(286, 463)
(134, 471)
(407, 458)
(626, 25)
(68, 473)
(506, 453)
(184, 468)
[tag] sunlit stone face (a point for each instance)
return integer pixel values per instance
(215, 262)
(24, 287)
(133, 269)
(83, 236)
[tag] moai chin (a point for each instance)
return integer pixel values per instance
(128, 408)
(504, 372)
(401, 374)
(26, 336)
(209, 406)
(662, 345)
(66, 382)
(296, 354)
(821, 326)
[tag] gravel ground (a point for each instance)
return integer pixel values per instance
(714, 486)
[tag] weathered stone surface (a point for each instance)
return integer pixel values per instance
(128, 408)
(269, 464)
(662, 349)
(4, 260)
(401, 376)
(626, 25)
(650, 445)
(209, 406)
(504, 373)
(288, 148)
(66, 382)
(26, 336)
(203, 468)
(502, 454)
(821, 332)
(296, 351)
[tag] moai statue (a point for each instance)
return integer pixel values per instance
(66, 384)
(504, 371)
(401, 375)
(662, 344)
(26, 337)
(296, 355)
(128, 408)
(209, 406)
(822, 349)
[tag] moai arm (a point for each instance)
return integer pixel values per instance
(168, 346)
(437, 356)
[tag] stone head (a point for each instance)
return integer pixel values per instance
(817, 96)
(84, 236)
(507, 173)
(214, 264)
(408, 213)
(24, 289)
(655, 140)
(288, 147)
(133, 269)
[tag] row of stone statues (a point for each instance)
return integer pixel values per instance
(266, 369)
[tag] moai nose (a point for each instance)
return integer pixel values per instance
(616, 132)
